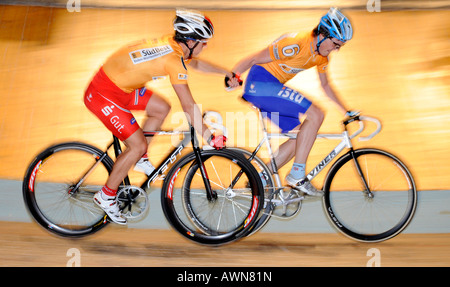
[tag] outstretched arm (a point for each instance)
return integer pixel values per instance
(329, 91)
(260, 57)
(207, 67)
(195, 117)
(194, 114)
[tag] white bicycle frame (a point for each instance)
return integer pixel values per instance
(344, 137)
(344, 143)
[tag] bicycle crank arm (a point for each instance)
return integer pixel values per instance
(279, 202)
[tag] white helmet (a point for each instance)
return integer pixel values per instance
(192, 25)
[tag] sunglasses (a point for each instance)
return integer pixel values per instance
(197, 40)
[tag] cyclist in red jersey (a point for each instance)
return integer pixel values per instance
(265, 87)
(119, 87)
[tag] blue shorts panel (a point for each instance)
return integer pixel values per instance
(282, 104)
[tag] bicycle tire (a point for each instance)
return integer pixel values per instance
(188, 210)
(53, 202)
(394, 192)
(269, 191)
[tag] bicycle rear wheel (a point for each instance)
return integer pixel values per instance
(235, 205)
(55, 195)
(372, 216)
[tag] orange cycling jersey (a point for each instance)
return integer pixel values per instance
(293, 53)
(119, 86)
(134, 65)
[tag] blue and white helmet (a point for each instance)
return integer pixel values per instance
(337, 25)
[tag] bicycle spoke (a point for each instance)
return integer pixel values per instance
(211, 181)
(218, 177)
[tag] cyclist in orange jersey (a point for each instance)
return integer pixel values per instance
(119, 87)
(265, 88)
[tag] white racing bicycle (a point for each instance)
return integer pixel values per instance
(369, 194)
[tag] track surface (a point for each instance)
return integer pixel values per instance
(25, 244)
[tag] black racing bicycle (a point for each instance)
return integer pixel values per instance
(209, 196)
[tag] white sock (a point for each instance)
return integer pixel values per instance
(298, 170)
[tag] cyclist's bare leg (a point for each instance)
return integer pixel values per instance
(136, 147)
(157, 110)
(285, 152)
(305, 140)
(301, 147)
(306, 136)
(308, 133)
(106, 198)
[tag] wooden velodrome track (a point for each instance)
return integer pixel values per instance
(396, 68)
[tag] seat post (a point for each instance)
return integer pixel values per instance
(266, 138)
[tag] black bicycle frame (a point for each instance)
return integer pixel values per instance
(188, 136)
(352, 153)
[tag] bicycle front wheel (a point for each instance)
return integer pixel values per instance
(232, 210)
(59, 186)
(269, 189)
(372, 201)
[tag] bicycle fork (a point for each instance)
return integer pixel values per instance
(211, 195)
(355, 160)
(361, 175)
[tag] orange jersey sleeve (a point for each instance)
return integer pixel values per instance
(132, 66)
(293, 53)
